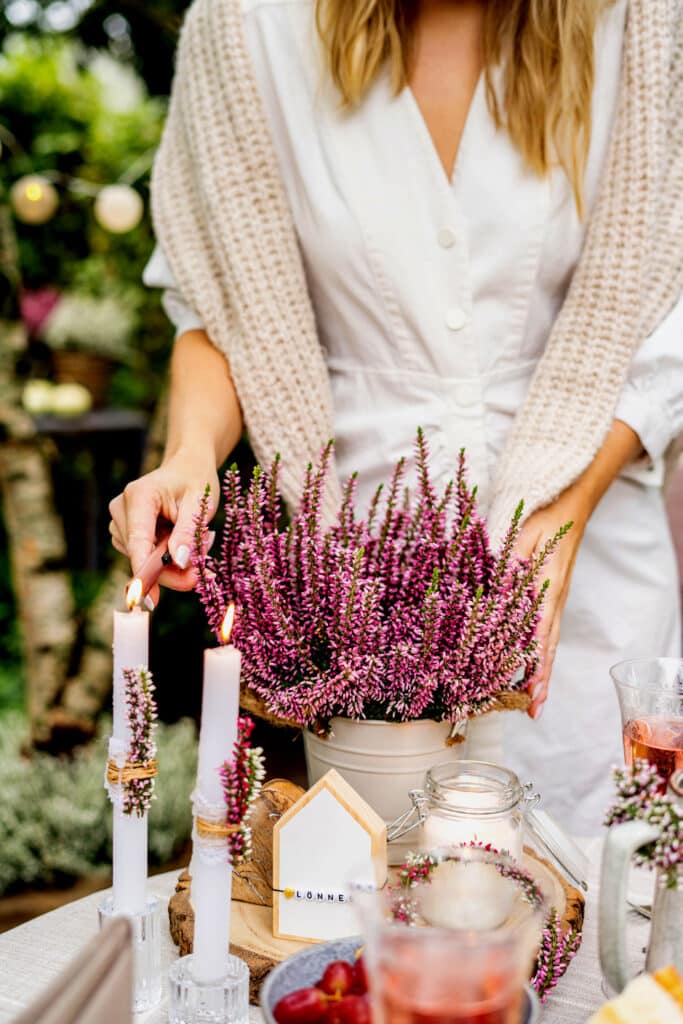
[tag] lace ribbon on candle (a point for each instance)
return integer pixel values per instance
(210, 831)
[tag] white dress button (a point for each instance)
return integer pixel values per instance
(446, 238)
(456, 318)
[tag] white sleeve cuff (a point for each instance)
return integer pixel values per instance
(648, 417)
(158, 274)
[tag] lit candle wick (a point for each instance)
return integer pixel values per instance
(134, 594)
(226, 628)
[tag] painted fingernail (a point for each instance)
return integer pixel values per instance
(148, 603)
(537, 690)
(182, 556)
(538, 712)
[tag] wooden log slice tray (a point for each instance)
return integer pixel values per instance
(251, 930)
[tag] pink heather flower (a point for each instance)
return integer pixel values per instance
(641, 796)
(405, 614)
(241, 778)
(557, 950)
(141, 713)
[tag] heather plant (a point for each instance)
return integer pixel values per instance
(407, 613)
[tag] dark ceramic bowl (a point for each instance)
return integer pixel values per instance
(304, 969)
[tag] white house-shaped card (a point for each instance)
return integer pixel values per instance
(327, 836)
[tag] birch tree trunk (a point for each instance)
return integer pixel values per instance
(37, 545)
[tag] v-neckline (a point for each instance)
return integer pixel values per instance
(428, 140)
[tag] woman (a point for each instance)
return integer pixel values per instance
(374, 214)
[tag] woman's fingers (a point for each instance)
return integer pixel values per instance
(142, 507)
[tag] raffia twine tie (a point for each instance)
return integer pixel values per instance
(215, 829)
(131, 770)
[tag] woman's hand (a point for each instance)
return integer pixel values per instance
(575, 505)
(537, 530)
(165, 500)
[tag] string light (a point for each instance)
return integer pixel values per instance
(118, 208)
(34, 199)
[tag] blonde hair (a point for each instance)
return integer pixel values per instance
(545, 48)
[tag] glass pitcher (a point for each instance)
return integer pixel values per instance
(666, 933)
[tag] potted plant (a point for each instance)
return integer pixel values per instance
(376, 636)
(88, 336)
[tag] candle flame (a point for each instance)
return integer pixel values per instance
(226, 628)
(134, 593)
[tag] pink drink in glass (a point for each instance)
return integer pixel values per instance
(416, 985)
(657, 739)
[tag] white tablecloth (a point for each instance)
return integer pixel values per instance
(34, 953)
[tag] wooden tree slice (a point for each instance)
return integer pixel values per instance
(252, 882)
(251, 935)
(569, 902)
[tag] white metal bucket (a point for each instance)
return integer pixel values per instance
(383, 761)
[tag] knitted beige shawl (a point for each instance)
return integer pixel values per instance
(222, 219)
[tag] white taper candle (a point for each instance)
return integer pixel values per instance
(212, 880)
(129, 845)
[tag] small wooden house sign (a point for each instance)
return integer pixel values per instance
(326, 835)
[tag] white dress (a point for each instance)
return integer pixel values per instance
(434, 300)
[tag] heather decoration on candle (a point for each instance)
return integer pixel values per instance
(141, 711)
(405, 614)
(242, 779)
(641, 796)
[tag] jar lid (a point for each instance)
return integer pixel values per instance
(473, 787)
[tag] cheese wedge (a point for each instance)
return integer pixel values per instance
(649, 999)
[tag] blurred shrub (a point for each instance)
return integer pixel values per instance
(56, 817)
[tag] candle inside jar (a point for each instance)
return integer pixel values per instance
(471, 817)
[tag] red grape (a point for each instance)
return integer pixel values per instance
(337, 978)
(360, 977)
(353, 1009)
(305, 1006)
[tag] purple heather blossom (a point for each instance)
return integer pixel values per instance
(241, 779)
(557, 950)
(405, 614)
(141, 712)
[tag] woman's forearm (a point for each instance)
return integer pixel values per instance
(205, 418)
(621, 446)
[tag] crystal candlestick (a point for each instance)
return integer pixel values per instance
(225, 1001)
(146, 924)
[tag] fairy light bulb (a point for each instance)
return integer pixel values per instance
(118, 208)
(34, 199)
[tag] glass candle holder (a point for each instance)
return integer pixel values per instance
(146, 925)
(225, 1001)
(468, 802)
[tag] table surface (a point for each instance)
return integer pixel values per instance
(34, 953)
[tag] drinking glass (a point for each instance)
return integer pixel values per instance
(457, 945)
(650, 693)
